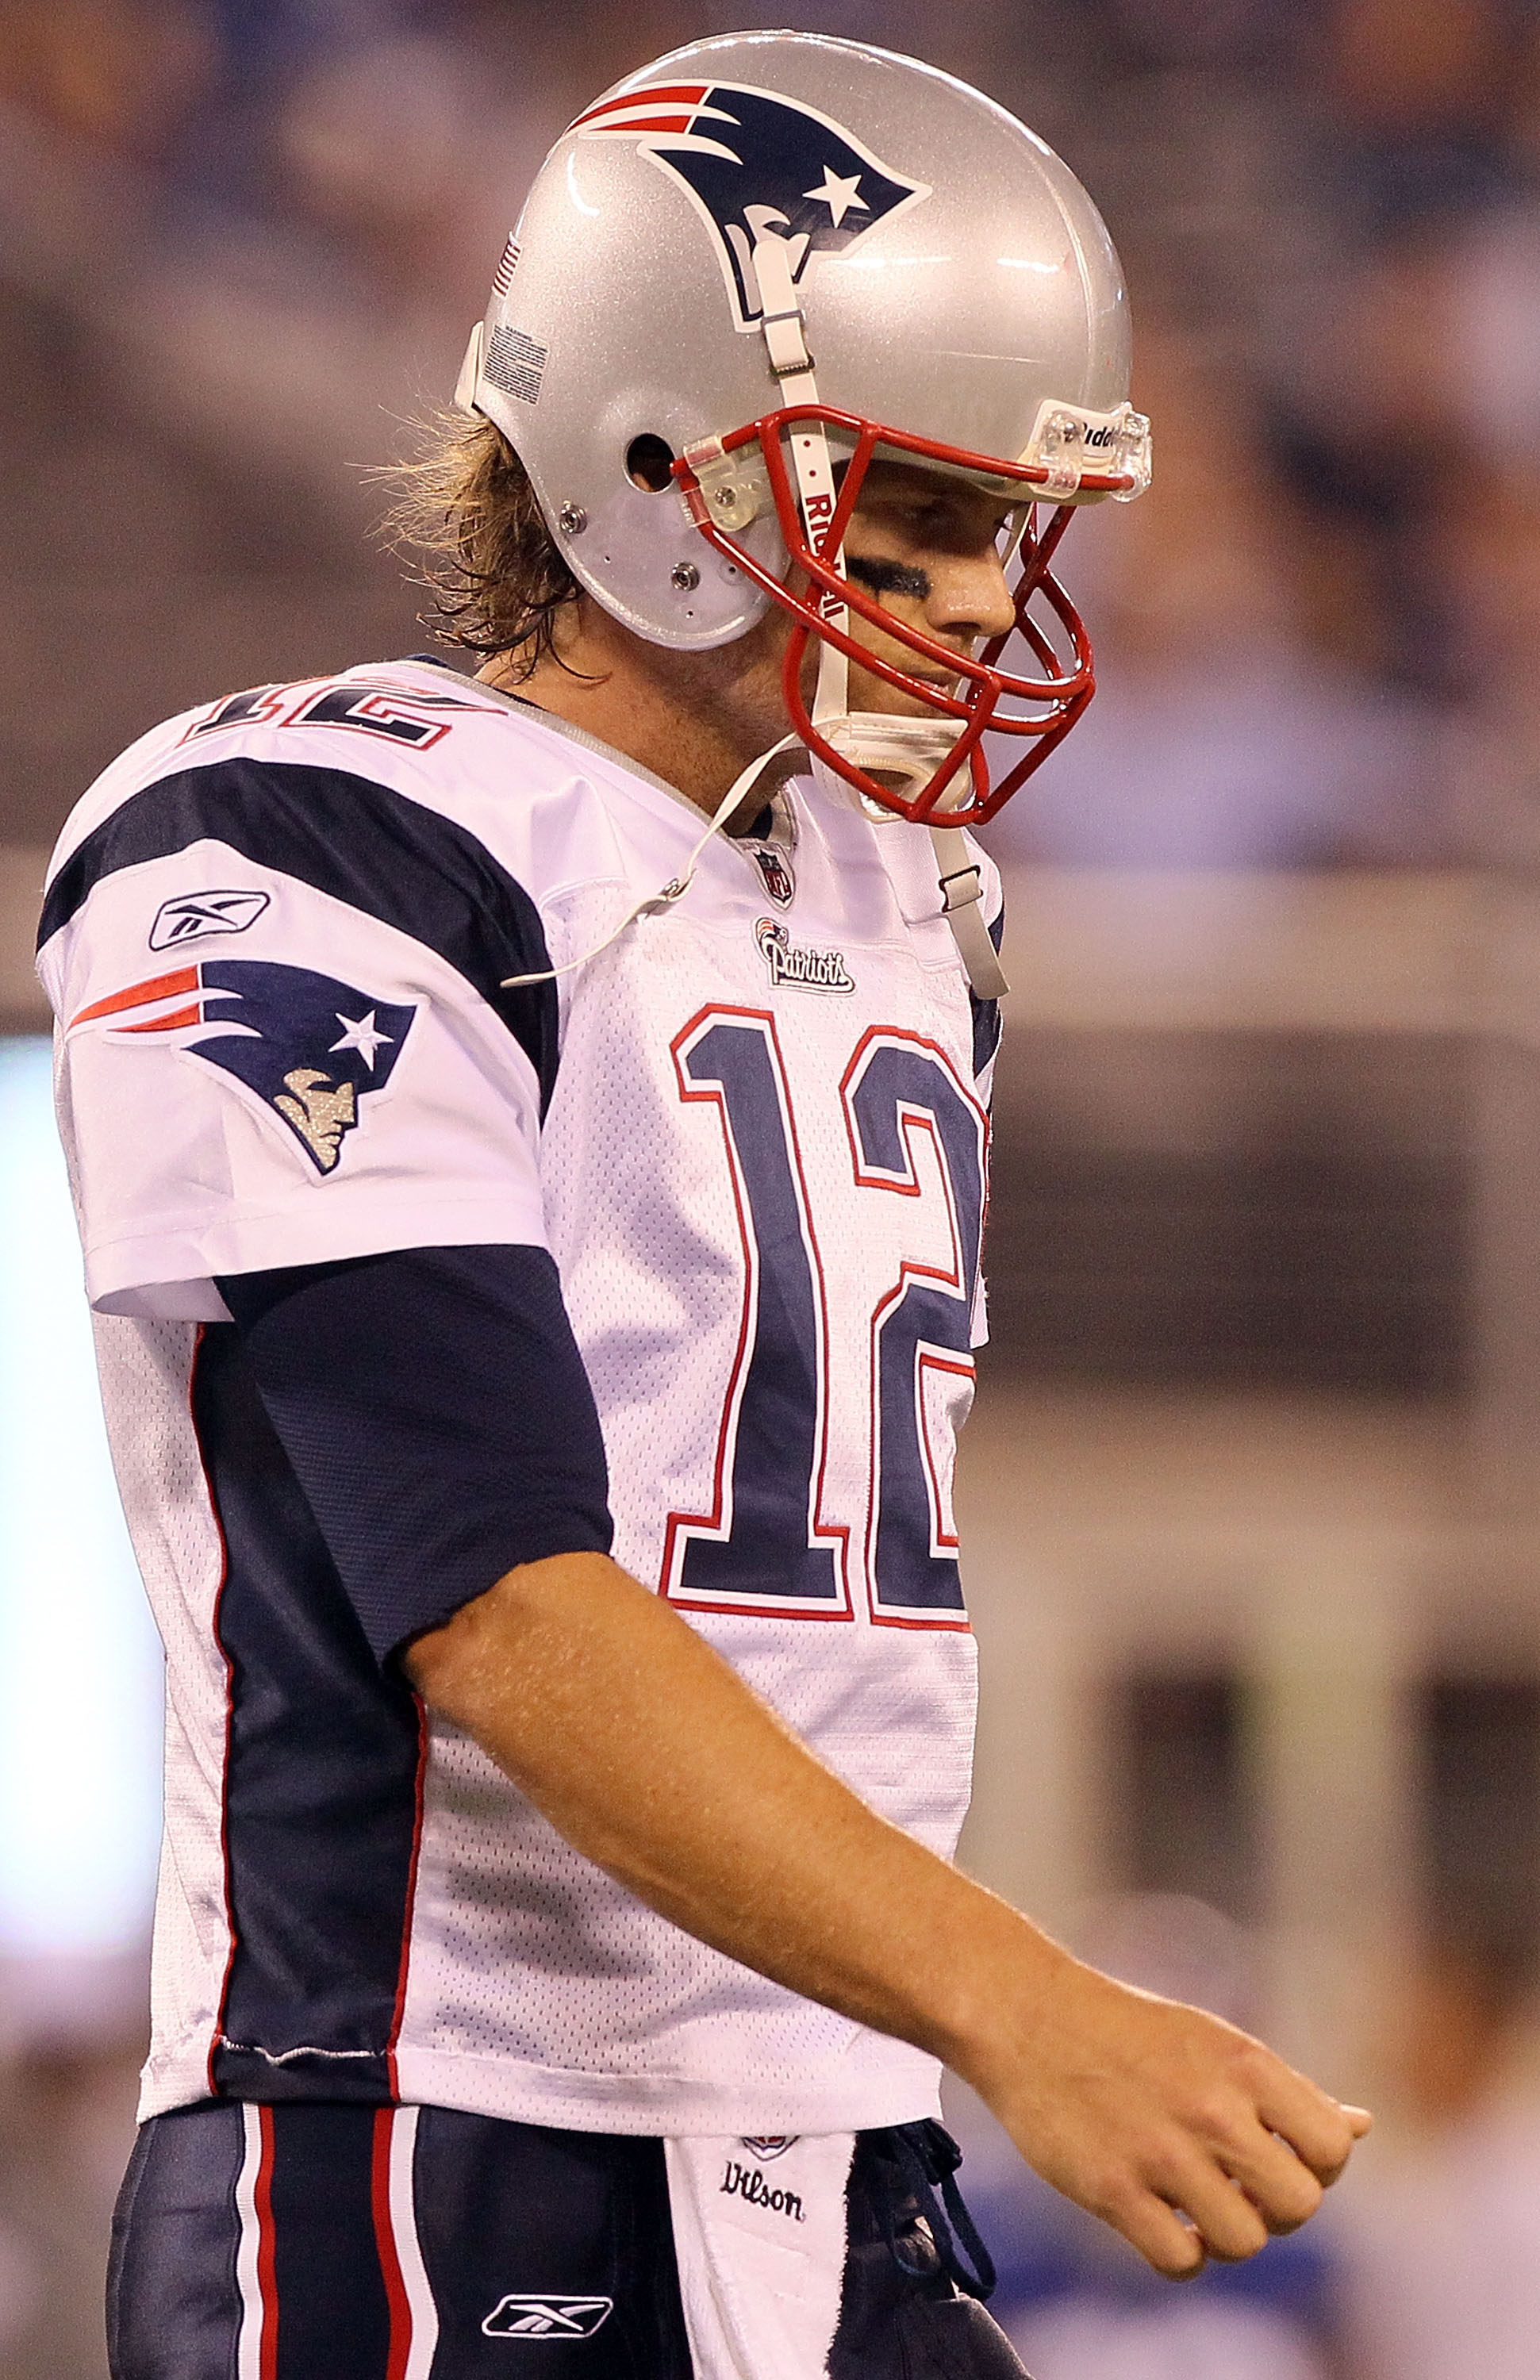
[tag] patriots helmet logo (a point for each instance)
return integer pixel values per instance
(754, 161)
(310, 1047)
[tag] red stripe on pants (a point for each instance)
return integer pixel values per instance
(267, 2248)
(385, 2240)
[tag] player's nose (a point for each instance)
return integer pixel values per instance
(970, 597)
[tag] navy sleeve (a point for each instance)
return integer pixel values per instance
(436, 1410)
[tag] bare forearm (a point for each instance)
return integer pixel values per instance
(652, 1758)
(650, 1755)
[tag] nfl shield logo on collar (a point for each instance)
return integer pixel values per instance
(776, 870)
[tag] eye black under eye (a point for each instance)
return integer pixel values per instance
(888, 578)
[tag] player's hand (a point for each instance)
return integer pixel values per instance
(1183, 2134)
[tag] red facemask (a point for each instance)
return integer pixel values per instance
(959, 791)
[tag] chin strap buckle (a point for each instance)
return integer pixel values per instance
(971, 876)
(781, 318)
(787, 338)
(962, 884)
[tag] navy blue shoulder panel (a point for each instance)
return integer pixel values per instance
(364, 844)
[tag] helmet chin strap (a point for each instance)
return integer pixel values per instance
(786, 340)
(878, 742)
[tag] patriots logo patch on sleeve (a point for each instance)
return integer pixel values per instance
(310, 1047)
(751, 160)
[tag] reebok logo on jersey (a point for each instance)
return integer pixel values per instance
(194, 914)
(310, 1047)
(746, 2181)
(751, 160)
(797, 964)
(546, 2318)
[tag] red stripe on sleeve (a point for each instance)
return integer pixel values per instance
(158, 987)
(180, 1016)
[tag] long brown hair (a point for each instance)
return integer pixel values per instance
(467, 518)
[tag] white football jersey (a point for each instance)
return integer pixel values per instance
(752, 1133)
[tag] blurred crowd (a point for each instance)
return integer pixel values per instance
(274, 218)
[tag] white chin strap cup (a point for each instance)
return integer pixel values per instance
(912, 750)
(886, 744)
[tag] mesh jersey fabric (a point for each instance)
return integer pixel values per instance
(751, 1136)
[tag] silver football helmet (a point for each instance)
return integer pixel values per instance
(747, 269)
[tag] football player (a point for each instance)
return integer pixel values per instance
(529, 1135)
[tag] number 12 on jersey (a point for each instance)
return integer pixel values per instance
(768, 1543)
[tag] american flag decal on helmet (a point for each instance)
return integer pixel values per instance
(751, 160)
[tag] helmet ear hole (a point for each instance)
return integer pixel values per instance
(649, 463)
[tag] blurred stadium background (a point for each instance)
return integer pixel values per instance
(1253, 1498)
